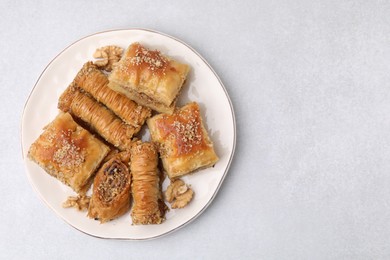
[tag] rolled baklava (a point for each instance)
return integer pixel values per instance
(99, 118)
(111, 189)
(91, 80)
(148, 206)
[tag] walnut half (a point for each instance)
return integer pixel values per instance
(81, 202)
(178, 194)
(107, 56)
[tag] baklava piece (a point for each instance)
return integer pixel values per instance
(148, 205)
(111, 189)
(98, 117)
(183, 141)
(149, 78)
(94, 82)
(68, 152)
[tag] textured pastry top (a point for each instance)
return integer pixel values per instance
(95, 83)
(183, 141)
(98, 117)
(181, 133)
(68, 152)
(148, 208)
(149, 73)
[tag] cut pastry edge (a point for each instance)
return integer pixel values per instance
(65, 100)
(174, 174)
(149, 77)
(143, 99)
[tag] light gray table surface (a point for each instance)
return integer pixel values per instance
(310, 85)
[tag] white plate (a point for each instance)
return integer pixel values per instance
(204, 86)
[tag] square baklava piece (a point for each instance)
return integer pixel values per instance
(183, 141)
(149, 78)
(68, 152)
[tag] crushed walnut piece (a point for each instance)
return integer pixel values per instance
(107, 56)
(178, 194)
(80, 202)
(115, 181)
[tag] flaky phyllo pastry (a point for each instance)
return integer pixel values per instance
(183, 140)
(148, 207)
(94, 82)
(98, 117)
(112, 115)
(149, 78)
(68, 152)
(111, 189)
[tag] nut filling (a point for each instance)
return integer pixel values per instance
(115, 181)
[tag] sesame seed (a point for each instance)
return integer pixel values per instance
(186, 131)
(67, 154)
(154, 60)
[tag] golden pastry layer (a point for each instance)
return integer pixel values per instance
(111, 189)
(68, 152)
(98, 117)
(149, 78)
(148, 207)
(183, 141)
(94, 82)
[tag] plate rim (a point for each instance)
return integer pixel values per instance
(226, 169)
